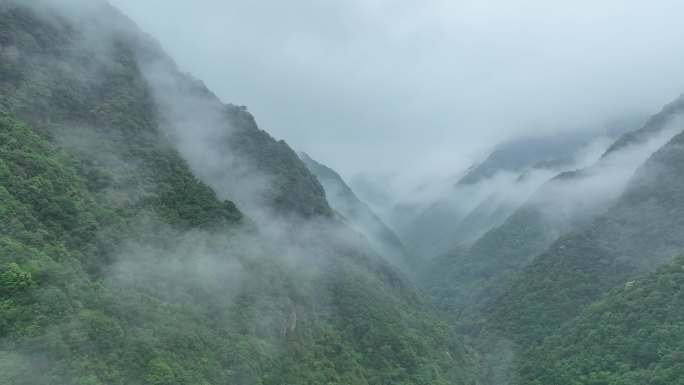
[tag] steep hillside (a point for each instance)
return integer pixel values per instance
(633, 336)
(639, 232)
(460, 279)
(358, 215)
(119, 266)
(492, 190)
(567, 202)
(521, 154)
(653, 125)
(224, 146)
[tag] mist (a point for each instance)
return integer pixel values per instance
(422, 90)
(160, 225)
(243, 283)
(601, 184)
(202, 128)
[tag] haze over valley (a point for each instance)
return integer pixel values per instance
(211, 192)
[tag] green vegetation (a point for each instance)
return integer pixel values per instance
(642, 230)
(505, 290)
(294, 188)
(118, 266)
(633, 336)
(637, 234)
(461, 279)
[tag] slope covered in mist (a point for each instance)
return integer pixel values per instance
(521, 154)
(491, 191)
(565, 203)
(152, 234)
(224, 146)
(358, 215)
(119, 266)
(639, 232)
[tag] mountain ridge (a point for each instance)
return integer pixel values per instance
(553, 210)
(119, 265)
(359, 216)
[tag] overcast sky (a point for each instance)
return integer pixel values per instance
(422, 88)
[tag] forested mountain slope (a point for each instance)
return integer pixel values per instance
(119, 266)
(633, 336)
(639, 232)
(566, 203)
(223, 144)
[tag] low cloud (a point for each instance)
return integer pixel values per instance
(595, 188)
(420, 90)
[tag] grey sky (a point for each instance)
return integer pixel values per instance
(407, 89)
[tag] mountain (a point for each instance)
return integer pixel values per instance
(359, 216)
(632, 336)
(655, 124)
(567, 202)
(150, 234)
(490, 191)
(638, 233)
(224, 146)
(520, 154)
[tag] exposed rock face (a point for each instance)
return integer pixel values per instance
(289, 323)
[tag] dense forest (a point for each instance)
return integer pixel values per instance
(152, 234)
(119, 266)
